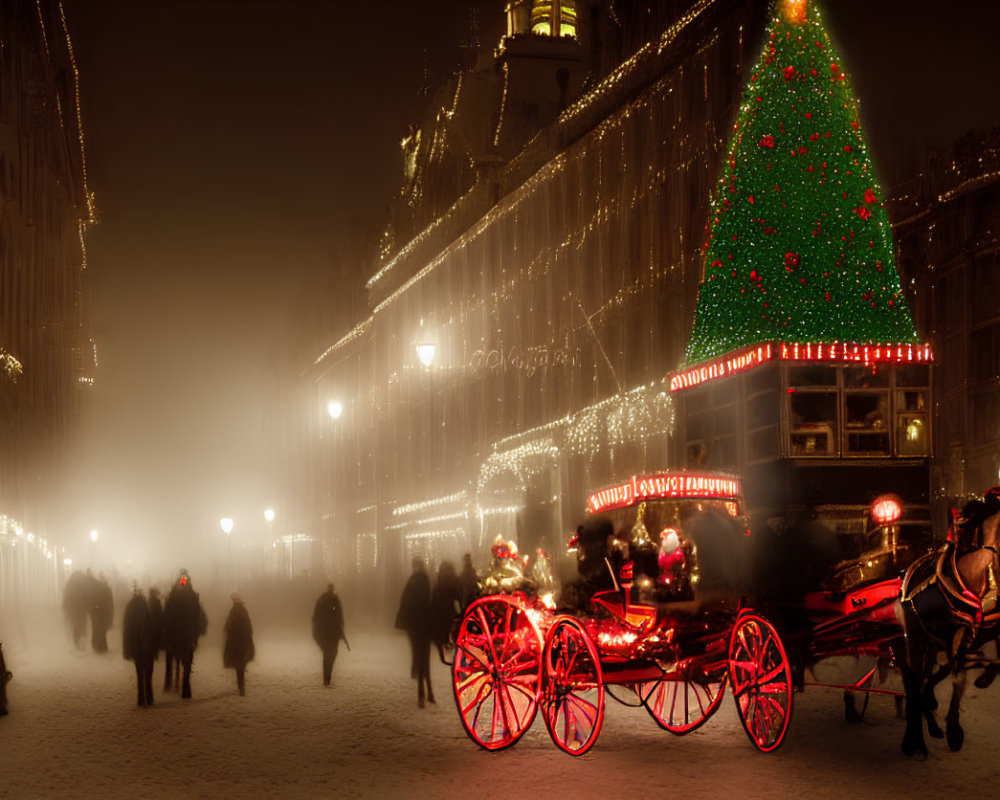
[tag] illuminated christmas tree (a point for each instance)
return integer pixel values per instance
(800, 247)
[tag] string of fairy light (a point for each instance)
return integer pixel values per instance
(616, 182)
(800, 245)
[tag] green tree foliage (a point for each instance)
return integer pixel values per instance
(800, 247)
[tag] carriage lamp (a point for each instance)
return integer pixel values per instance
(886, 509)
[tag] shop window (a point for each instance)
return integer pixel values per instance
(812, 375)
(813, 418)
(866, 423)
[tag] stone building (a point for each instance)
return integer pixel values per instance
(536, 285)
(47, 357)
(947, 229)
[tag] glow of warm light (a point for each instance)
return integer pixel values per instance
(269, 514)
(426, 352)
(31, 538)
(683, 485)
(68, 562)
(335, 408)
(794, 10)
(886, 509)
(747, 358)
(93, 536)
(227, 525)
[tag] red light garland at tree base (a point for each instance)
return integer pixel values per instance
(747, 358)
(667, 486)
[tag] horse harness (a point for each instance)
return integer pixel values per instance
(939, 570)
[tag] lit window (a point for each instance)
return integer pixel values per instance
(553, 18)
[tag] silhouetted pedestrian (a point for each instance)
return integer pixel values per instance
(5, 676)
(183, 622)
(445, 600)
(139, 644)
(468, 581)
(328, 629)
(76, 604)
(102, 606)
(238, 650)
(414, 618)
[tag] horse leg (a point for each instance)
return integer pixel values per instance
(929, 701)
(913, 738)
(956, 736)
(991, 670)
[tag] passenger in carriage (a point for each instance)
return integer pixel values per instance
(594, 540)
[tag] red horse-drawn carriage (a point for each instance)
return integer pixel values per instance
(663, 616)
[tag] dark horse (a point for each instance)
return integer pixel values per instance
(183, 622)
(5, 677)
(948, 604)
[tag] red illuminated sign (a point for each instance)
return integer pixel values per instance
(830, 353)
(686, 485)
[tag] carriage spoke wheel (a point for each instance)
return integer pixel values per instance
(573, 703)
(761, 680)
(682, 705)
(496, 675)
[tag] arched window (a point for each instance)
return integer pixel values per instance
(556, 18)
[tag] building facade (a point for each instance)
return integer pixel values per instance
(47, 357)
(537, 284)
(947, 229)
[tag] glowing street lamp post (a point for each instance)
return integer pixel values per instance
(335, 409)
(269, 547)
(227, 528)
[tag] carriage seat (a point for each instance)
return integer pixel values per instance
(874, 598)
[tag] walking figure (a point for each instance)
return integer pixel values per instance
(239, 649)
(414, 618)
(328, 629)
(183, 622)
(5, 676)
(139, 643)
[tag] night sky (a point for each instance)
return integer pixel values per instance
(232, 145)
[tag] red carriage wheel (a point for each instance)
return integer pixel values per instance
(761, 680)
(496, 674)
(682, 705)
(574, 690)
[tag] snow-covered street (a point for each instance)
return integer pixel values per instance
(74, 731)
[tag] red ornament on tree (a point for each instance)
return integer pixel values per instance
(869, 196)
(767, 141)
(789, 73)
(791, 261)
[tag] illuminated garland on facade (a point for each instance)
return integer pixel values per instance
(825, 353)
(800, 245)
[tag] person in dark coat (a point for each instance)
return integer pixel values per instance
(76, 603)
(102, 606)
(238, 650)
(469, 582)
(156, 621)
(414, 618)
(328, 629)
(183, 622)
(5, 676)
(139, 644)
(445, 605)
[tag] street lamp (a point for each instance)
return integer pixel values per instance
(426, 352)
(269, 515)
(335, 408)
(93, 536)
(227, 528)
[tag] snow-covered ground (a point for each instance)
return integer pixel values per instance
(74, 731)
